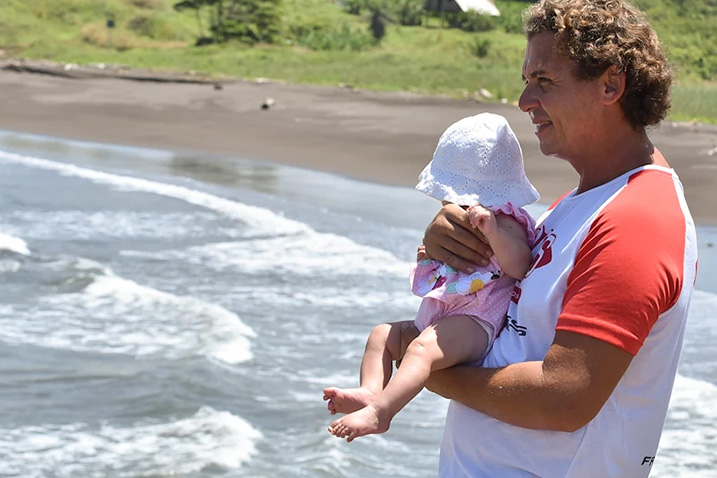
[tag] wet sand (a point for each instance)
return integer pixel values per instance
(381, 137)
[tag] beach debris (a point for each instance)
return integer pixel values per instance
(69, 66)
(504, 101)
(268, 103)
(261, 81)
(218, 86)
(694, 123)
(480, 95)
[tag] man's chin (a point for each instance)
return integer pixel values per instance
(547, 149)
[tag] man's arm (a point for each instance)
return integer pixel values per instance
(450, 238)
(563, 392)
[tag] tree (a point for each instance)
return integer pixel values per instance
(195, 5)
(409, 12)
(354, 6)
(250, 21)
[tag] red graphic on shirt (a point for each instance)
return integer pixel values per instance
(540, 234)
(545, 250)
(515, 294)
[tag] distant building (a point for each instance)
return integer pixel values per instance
(484, 7)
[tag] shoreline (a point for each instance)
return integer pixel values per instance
(380, 137)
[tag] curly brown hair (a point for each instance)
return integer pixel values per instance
(597, 34)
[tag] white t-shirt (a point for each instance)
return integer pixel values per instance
(617, 263)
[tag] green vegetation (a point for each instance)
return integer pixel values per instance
(250, 21)
(321, 42)
(687, 28)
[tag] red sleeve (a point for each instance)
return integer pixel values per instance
(628, 269)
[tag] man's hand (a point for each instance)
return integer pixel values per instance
(450, 238)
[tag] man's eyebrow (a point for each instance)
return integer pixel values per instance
(534, 73)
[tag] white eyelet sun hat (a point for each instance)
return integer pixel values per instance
(478, 160)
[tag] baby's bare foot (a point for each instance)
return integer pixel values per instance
(347, 400)
(369, 420)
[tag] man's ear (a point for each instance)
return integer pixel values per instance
(613, 81)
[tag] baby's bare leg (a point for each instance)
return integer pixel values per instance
(382, 348)
(453, 340)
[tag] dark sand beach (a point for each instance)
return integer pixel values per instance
(380, 137)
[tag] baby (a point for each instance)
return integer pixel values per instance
(478, 165)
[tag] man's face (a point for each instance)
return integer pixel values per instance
(561, 107)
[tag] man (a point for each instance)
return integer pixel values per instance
(578, 382)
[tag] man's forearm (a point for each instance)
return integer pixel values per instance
(515, 394)
(563, 392)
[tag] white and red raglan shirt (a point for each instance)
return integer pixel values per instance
(617, 263)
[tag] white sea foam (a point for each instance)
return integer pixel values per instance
(688, 447)
(259, 219)
(209, 438)
(13, 244)
(116, 315)
(337, 297)
(690, 440)
(8, 266)
(702, 309)
(308, 255)
(70, 224)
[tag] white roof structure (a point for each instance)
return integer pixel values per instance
(484, 7)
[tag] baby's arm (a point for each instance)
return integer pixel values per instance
(507, 238)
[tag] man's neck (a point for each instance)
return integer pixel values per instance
(614, 155)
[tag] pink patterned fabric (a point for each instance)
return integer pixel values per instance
(483, 295)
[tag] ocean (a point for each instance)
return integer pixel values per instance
(178, 314)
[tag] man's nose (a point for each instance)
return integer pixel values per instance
(527, 100)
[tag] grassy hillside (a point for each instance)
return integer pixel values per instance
(322, 44)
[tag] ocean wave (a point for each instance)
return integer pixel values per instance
(13, 244)
(394, 300)
(115, 315)
(260, 219)
(306, 255)
(702, 296)
(83, 225)
(338, 297)
(689, 441)
(208, 439)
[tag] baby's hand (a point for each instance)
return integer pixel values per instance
(483, 219)
(422, 256)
